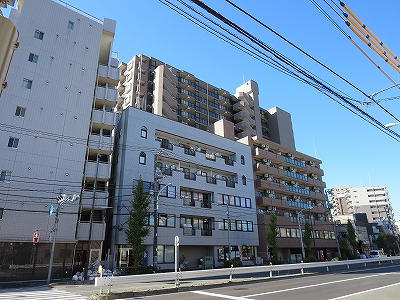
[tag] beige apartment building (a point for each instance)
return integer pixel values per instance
(286, 182)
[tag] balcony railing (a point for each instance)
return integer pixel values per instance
(206, 232)
(167, 145)
(212, 180)
(190, 176)
(206, 204)
(190, 151)
(230, 183)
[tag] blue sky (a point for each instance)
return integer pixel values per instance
(353, 152)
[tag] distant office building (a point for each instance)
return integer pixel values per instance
(57, 137)
(286, 182)
(373, 201)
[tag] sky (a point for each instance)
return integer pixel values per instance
(352, 151)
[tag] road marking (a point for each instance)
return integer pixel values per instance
(314, 285)
(371, 290)
(220, 295)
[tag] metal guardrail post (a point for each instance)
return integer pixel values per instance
(270, 269)
(302, 268)
(231, 273)
(327, 266)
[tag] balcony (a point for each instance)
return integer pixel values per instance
(101, 142)
(97, 170)
(211, 180)
(101, 199)
(98, 231)
(190, 176)
(230, 183)
(268, 201)
(169, 100)
(103, 117)
(206, 232)
(108, 75)
(106, 94)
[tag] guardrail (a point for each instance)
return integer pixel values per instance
(229, 272)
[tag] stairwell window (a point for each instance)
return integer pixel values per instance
(33, 58)
(242, 159)
(13, 142)
(143, 132)
(5, 175)
(27, 83)
(38, 34)
(1, 213)
(70, 25)
(20, 111)
(244, 180)
(142, 158)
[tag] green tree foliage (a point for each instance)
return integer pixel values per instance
(352, 237)
(388, 242)
(137, 229)
(272, 234)
(307, 238)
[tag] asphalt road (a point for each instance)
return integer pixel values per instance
(378, 283)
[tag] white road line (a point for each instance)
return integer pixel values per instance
(367, 291)
(314, 285)
(220, 295)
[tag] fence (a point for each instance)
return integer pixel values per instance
(244, 272)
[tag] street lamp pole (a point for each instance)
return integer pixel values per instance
(61, 199)
(301, 233)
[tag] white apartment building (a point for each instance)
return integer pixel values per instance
(205, 183)
(57, 123)
(374, 201)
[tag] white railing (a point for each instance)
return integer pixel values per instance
(229, 272)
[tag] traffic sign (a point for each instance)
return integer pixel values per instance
(36, 235)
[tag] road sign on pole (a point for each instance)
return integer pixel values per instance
(36, 235)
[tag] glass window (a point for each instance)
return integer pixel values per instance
(5, 175)
(143, 132)
(13, 142)
(244, 181)
(38, 34)
(142, 158)
(20, 111)
(33, 58)
(1, 213)
(70, 25)
(26, 83)
(242, 159)
(248, 202)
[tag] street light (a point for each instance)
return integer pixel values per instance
(301, 233)
(392, 124)
(61, 199)
(155, 236)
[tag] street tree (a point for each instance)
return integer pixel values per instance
(307, 238)
(352, 237)
(137, 229)
(272, 234)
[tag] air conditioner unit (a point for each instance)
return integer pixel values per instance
(217, 154)
(198, 149)
(218, 176)
(266, 175)
(291, 169)
(284, 198)
(271, 195)
(283, 182)
(263, 146)
(279, 153)
(291, 155)
(293, 182)
(280, 167)
(198, 172)
(173, 167)
(268, 191)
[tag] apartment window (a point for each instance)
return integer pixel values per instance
(5, 175)
(244, 180)
(142, 158)
(38, 34)
(1, 213)
(70, 25)
(143, 132)
(27, 83)
(13, 142)
(33, 58)
(20, 111)
(167, 191)
(242, 159)
(165, 254)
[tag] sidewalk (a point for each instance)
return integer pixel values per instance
(88, 289)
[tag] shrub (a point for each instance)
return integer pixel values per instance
(138, 270)
(235, 263)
